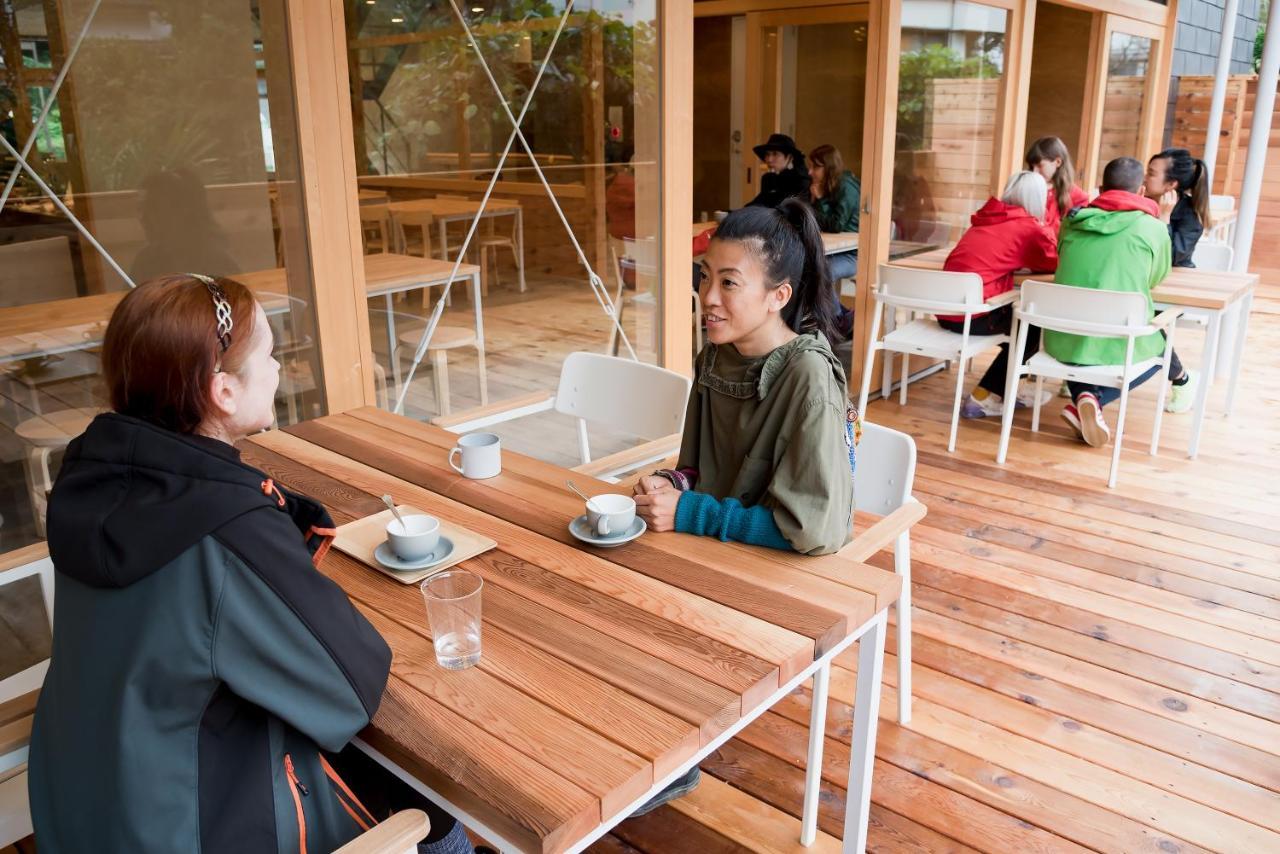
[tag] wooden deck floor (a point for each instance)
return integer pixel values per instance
(1093, 668)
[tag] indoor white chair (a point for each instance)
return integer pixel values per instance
(932, 292)
(29, 579)
(1098, 313)
(628, 396)
(882, 486)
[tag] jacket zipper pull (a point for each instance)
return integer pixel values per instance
(293, 776)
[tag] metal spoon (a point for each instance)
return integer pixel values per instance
(580, 494)
(386, 499)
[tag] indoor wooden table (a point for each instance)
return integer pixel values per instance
(606, 673)
(1208, 295)
(445, 211)
(832, 243)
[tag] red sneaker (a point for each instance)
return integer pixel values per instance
(1093, 427)
(1071, 415)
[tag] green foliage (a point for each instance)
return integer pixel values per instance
(1259, 39)
(933, 62)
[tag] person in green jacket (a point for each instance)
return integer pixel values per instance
(1117, 243)
(768, 448)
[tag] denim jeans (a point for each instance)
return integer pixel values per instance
(1107, 394)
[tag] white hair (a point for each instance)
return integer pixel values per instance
(1028, 191)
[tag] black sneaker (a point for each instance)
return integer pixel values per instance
(679, 787)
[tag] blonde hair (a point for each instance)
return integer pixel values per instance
(1028, 191)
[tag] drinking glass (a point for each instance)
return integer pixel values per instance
(453, 612)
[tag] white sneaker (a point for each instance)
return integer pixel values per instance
(974, 408)
(1028, 397)
(1180, 398)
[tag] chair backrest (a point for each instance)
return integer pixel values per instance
(1222, 203)
(886, 470)
(644, 252)
(1213, 256)
(934, 291)
(36, 271)
(26, 636)
(632, 397)
(1084, 311)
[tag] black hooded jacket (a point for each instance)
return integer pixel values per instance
(200, 661)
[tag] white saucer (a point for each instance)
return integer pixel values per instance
(581, 529)
(385, 556)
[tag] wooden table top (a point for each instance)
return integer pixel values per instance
(602, 670)
(452, 207)
(1186, 287)
(80, 322)
(843, 241)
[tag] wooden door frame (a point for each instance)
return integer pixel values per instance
(753, 111)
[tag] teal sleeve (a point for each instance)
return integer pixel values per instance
(704, 515)
(847, 210)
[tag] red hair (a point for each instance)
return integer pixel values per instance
(161, 349)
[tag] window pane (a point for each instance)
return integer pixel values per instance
(165, 161)
(1127, 63)
(949, 95)
(429, 134)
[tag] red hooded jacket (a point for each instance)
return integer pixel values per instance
(1123, 200)
(1052, 218)
(1003, 238)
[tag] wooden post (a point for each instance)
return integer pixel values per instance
(1011, 141)
(1157, 100)
(675, 26)
(11, 50)
(355, 14)
(326, 242)
(879, 129)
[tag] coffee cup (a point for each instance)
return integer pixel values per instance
(611, 515)
(481, 455)
(416, 539)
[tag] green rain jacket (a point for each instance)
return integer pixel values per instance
(1115, 244)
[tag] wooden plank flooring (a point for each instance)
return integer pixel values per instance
(1094, 669)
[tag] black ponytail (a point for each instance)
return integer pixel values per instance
(1192, 176)
(788, 241)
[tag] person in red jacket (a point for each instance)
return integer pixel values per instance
(1007, 234)
(1049, 157)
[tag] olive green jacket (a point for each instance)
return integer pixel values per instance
(770, 430)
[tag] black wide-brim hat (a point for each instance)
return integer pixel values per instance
(779, 142)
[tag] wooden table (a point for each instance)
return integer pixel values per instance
(79, 323)
(445, 211)
(606, 673)
(1208, 296)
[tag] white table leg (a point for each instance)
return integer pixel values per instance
(520, 243)
(866, 716)
(813, 768)
(1207, 368)
(475, 303)
(392, 355)
(1237, 358)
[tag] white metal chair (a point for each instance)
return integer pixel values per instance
(1213, 256)
(628, 396)
(29, 580)
(927, 292)
(1223, 233)
(45, 435)
(882, 485)
(1097, 313)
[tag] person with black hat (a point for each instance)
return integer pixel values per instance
(788, 173)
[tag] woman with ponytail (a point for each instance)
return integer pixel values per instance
(1180, 185)
(1049, 157)
(768, 446)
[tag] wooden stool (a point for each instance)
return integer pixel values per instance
(46, 434)
(448, 338)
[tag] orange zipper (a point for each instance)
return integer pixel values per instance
(296, 787)
(341, 785)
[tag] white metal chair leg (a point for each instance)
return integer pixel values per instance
(1237, 358)
(813, 770)
(870, 360)
(1115, 452)
(866, 706)
(906, 372)
(1017, 341)
(1163, 391)
(902, 565)
(1035, 409)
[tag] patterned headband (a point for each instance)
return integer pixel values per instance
(221, 309)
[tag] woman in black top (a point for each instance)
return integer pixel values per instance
(788, 173)
(1180, 185)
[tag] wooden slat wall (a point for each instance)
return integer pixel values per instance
(1191, 123)
(960, 124)
(1122, 118)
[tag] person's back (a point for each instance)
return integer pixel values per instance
(1117, 243)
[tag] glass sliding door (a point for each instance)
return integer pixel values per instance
(949, 105)
(168, 147)
(1124, 106)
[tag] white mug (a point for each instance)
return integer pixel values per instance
(481, 456)
(611, 515)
